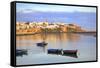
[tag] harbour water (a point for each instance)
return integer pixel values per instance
(85, 44)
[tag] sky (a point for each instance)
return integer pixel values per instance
(51, 8)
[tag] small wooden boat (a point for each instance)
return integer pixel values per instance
(21, 52)
(42, 44)
(54, 51)
(71, 53)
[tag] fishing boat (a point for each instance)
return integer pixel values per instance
(21, 52)
(71, 53)
(54, 51)
(42, 44)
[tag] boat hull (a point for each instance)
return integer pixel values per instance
(21, 52)
(71, 53)
(42, 44)
(54, 51)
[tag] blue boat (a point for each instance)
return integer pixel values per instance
(54, 51)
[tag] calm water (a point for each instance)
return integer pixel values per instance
(85, 44)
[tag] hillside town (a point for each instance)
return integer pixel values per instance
(39, 27)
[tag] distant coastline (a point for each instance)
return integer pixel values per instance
(31, 28)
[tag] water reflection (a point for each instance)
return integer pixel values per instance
(86, 46)
(43, 41)
(47, 37)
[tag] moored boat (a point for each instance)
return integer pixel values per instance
(42, 44)
(54, 51)
(71, 53)
(21, 52)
